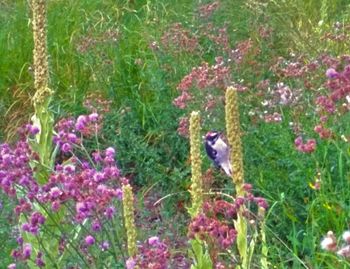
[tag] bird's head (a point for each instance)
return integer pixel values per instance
(212, 136)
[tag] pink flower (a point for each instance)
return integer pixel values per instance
(110, 152)
(55, 192)
(153, 241)
(307, 147)
(329, 242)
(93, 117)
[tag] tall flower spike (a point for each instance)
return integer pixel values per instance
(43, 118)
(236, 158)
(41, 70)
(128, 207)
(196, 165)
(234, 139)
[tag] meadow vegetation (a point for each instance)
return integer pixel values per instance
(123, 180)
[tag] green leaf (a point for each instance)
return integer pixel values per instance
(200, 255)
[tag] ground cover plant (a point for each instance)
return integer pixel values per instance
(103, 108)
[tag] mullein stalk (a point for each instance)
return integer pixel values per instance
(236, 159)
(43, 117)
(196, 165)
(42, 145)
(200, 251)
(129, 219)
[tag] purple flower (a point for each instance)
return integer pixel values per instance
(81, 122)
(26, 227)
(39, 261)
(109, 212)
(66, 147)
(89, 240)
(96, 226)
(104, 246)
(72, 138)
(331, 73)
(33, 130)
(19, 240)
(27, 251)
(119, 194)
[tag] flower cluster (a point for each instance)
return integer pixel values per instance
(338, 84)
(307, 147)
(152, 254)
(329, 243)
(212, 231)
(70, 131)
(92, 186)
(15, 167)
(215, 224)
(89, 186)
(206, 10)
(179, 39)
(205, 75)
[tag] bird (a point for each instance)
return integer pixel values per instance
(218, 151)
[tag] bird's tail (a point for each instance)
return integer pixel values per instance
(226, 166)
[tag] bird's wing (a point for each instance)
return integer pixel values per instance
(212, 153)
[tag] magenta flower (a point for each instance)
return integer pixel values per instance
(89, 240)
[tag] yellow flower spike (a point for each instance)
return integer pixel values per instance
(196, 164)
(236, 159)
(234, 139)
(41, 69)
(43, 117)
(128, 208)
